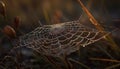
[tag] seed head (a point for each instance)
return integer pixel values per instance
(16, 22)
(9, 31)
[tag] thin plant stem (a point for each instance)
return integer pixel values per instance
(83, 65)
(113, 66)
(49, 60)
(66, 62)
(106, 60)
(53, 63)
(105, 52)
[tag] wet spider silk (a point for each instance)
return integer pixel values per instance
(59, 39)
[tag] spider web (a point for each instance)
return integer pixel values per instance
(58, 39)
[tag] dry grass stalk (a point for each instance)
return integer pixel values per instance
(98, 26)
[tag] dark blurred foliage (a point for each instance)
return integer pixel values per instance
(19, 17)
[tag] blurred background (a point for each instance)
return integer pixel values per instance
(57, 11)
(29, 14)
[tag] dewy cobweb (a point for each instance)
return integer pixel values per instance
(58, 39)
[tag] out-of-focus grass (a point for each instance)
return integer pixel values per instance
(31, 12)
